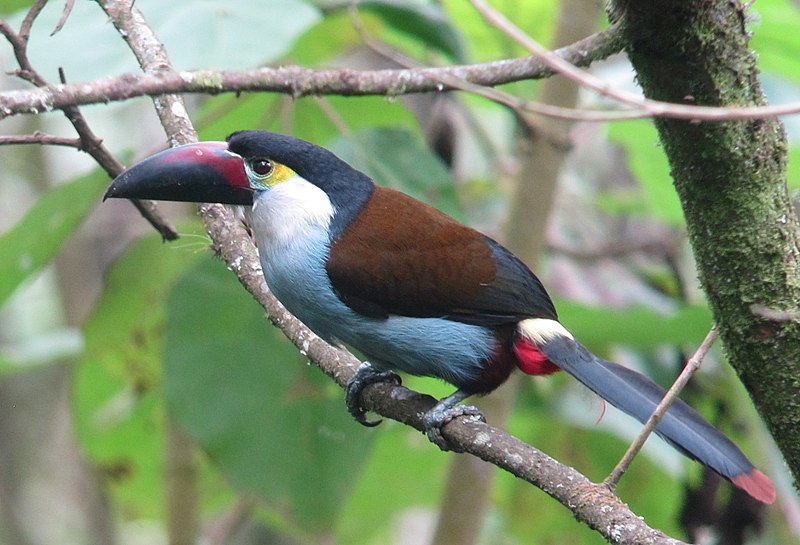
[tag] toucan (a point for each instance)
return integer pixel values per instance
(408, 286)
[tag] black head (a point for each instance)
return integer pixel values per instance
(347, 188)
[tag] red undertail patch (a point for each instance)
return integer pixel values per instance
(757, 485)
(531, 360)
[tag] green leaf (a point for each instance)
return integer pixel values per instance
(793, 170)
(275, 427)
(117, 397)
(30, 245)
(396, 159)
(536, 19)
(426, 22)
(649, 164)
(776, 39)
(75, 47)
(637, 326)
(304, 117)
(327, 40)
(404, 462)
(592, 451)
(234, 34)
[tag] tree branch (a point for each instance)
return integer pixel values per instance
(775, 315)
(298, 81)
(477, 78)
(41, 139)
(593, 504)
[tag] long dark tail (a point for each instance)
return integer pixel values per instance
(542, 342)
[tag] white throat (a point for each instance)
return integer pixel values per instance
(289, 213)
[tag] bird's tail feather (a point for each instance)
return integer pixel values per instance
(638, 396)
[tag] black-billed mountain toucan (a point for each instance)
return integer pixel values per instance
(411, 288)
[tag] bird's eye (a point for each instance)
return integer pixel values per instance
(261, 167)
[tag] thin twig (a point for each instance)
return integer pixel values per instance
(773, 314)
(691, 367)
(64, 16)
(333, 116)
(554, 62)
(30, 17)
(517, 105)
(642, 107)
(89, 141)
(41, 138)
(19, 43)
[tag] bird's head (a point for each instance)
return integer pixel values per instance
(237, 170)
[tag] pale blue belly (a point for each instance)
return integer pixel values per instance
(419, 346)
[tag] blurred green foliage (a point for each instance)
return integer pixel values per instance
(173, 335)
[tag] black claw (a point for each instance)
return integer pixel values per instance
(445, 411)
(435, 419)
(365, 375)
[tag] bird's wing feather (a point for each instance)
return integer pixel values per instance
(399, 256)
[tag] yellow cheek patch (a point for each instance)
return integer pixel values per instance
(279, 173)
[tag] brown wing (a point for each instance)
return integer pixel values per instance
(400, 256)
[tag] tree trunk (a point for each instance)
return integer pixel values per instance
(731, 179)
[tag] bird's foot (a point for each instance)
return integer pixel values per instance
(365, 375)
(445, 411)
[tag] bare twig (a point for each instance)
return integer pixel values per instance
(89, 141)
(775, 315)
(517, 105)
(64, 16)
(554, 62)
(42, 139)
(298, 81)
(333, 116)
(691, 367)
(19, 44)
(643, 107)
(30, 17)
